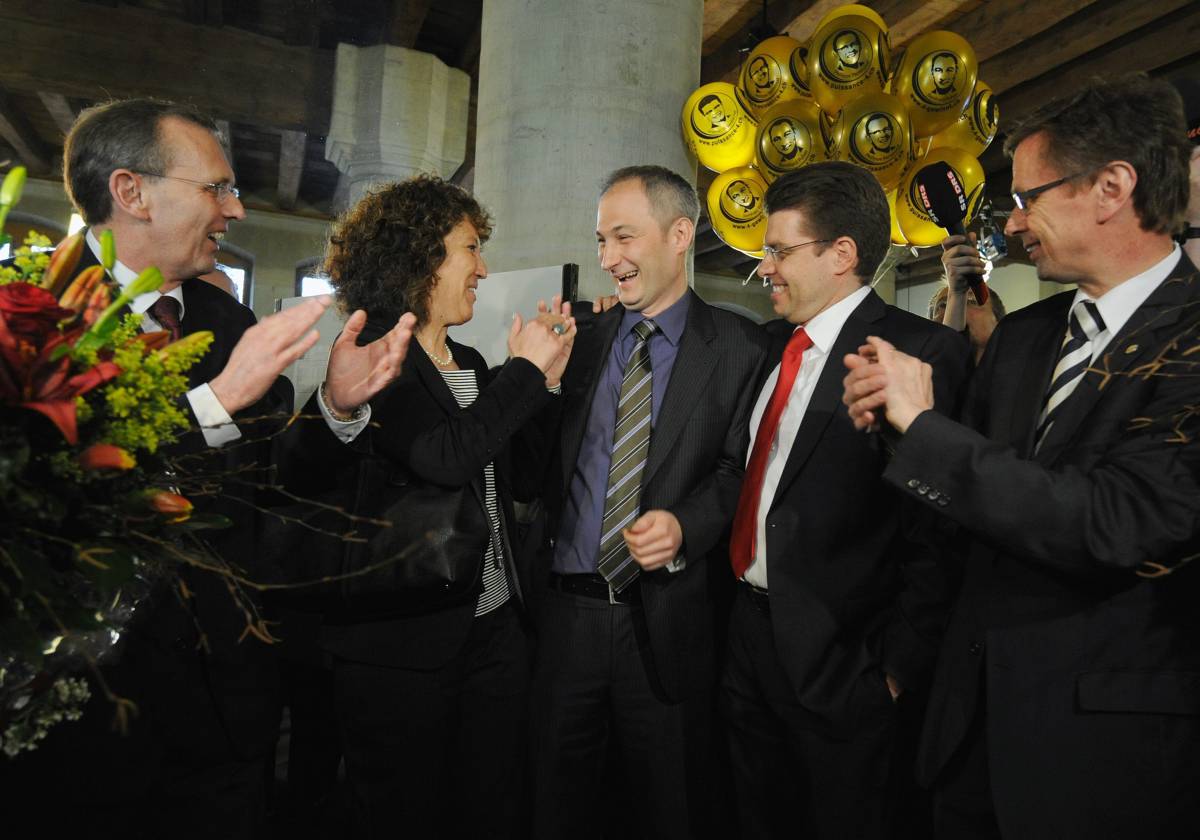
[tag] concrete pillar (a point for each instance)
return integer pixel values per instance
(568, 91)
(396, 112)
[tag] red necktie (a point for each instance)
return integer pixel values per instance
(745, 521)
(166, 311)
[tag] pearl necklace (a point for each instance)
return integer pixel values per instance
(449, 360)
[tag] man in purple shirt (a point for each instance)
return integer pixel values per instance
(625, 664)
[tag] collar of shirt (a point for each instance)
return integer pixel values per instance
(1119, 303)
(671, 321)
(124, 275)
(824, 327)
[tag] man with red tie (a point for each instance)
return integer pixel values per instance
(841, 598)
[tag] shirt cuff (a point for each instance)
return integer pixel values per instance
(344, 430)
(216, 425)
(677, 565)
(557, 389)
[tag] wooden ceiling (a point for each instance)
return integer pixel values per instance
(265, 68)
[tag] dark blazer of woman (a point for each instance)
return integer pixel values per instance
(419, 432)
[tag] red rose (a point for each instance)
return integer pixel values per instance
(31, 313)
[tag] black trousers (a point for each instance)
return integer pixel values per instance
(612, 756)
(792, 778)
(439, 753)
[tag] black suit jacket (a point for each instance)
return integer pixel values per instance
(418, 432)
(1078, 599)
(694, 469)
(857, 588)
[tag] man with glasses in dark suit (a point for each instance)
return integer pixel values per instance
(1065, 702)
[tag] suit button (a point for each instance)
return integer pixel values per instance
(934, 495)
(912, 484)
(975, 648)
(943, 501)
(923, 489)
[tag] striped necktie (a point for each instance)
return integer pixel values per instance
(1083, 326)
(631, 443)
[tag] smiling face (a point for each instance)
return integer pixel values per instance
(715, 111)
(805, 281)
(760, 72)
(1055, 229)
(185, 220)
(646, 261)
(452, 297)
(847, 48)
(741, 195)
(879, 130)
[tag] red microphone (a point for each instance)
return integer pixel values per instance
(941, 192)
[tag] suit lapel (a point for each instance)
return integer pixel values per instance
(826, 399)
(694, 363)
(580, 380)
(1141, 339)
(1039, 358)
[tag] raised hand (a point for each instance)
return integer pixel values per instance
(355, 374)
(264, 351)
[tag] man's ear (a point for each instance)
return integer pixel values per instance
(1114, 188)
(682, 231)
(845, 254)
(125, 187)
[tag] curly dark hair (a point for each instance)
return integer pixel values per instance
(384, 251)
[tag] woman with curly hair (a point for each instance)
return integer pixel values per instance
(430, 702)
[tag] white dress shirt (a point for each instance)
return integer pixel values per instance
(823, 329)
(215, 423)
(1118, 304)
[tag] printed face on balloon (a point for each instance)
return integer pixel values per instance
(873, 140)
(742, 201)
(711, 118)
(844, 56)
(935, 79)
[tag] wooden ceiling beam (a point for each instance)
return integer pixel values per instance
(1168, 39)
(228, 72)
(18, 133)
(1078, 35)
(292, 146)
(405, 21)
(1000, 25)
(60, 110)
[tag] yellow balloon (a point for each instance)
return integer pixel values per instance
(716, 128)
(737, 211)
(766, 77)
(974, 130)
(897, 234)
(847, 57)
(798, 64)
(789, 137)
(935, 79)
(872, 131)
(853, 9)
(915, 223)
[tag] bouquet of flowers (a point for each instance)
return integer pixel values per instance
(88, 515)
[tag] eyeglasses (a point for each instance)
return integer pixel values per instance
(220, 191)
(778, 254)
(1024, 198)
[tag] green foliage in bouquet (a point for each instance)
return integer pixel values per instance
(86, 511)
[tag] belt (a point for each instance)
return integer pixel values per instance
(758, 597)
(595, 586)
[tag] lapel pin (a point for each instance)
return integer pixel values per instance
(1132, 348)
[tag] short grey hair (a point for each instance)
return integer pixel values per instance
(671, 196)
(125, 134)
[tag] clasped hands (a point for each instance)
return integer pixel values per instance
(546, 339)
(885, 383)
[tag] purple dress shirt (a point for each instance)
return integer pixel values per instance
(579, 533)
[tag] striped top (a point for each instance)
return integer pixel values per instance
(495, 593)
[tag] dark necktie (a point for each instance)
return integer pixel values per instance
(745, 521)
(1074, 358)
(631, 443)
(165, 310)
